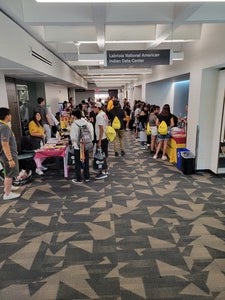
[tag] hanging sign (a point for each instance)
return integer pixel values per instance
(138, 58)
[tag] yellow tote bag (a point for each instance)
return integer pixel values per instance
(148, 129)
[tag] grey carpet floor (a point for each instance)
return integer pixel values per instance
(145, 232)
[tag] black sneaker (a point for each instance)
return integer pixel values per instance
(116, 154)
(101, 176)
(122, 153)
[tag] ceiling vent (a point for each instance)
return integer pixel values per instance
(40, 57)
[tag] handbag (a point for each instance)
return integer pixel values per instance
(99, 159)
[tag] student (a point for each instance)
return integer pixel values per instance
(152, 123)
(81, 158)
(165, 115)
(8, 154)
(37, 137)
(118, 112)
(46, 119)
(36, 131)
(102, 141)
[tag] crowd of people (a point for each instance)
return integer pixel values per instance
(96, 116)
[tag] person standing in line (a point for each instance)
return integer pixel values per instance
(118, 112)
(127, 111)
(8, 154)
(110, 104)
(80, 162)
(46, 119)
(102, 141)
(154, 132)
(165, 115)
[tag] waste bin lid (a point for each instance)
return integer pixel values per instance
(187, 154)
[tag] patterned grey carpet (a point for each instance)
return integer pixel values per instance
(145, 232)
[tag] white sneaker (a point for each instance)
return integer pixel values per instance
(42, 168)
(14, 188)
(155, 156)
(164, 157)
(39, 172)
(11, 196)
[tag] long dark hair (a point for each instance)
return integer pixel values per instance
(39, 123)
(165, 110)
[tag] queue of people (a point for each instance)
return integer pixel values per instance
(96, 116)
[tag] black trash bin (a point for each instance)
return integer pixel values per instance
(188, 163)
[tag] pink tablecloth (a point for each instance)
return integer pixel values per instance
(41, 154)
(51, 152)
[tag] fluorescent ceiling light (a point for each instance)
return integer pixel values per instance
(91, 60)
(137, 41)
(123, 1)
(119, 71)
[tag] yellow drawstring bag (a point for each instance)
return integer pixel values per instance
(110, 133)
(116, 123)
(148, 129)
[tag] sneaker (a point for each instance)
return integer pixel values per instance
(39, 172)
(101, 176)
(86, 180)
(164, 157)
(122, 153)
(105, 172)
(76, 181)
(11, 196)
(116, 154)
(155, 156)
(42, 168)
(14, 188)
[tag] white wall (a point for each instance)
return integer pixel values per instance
(160, 93)
(55, 94)
(17, 45)
(138, 92)
(84, 96)
(198, 56)
(3, 96)
(207, 118)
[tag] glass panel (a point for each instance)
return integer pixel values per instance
(23, 97)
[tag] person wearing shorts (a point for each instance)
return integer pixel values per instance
(165, 115)
(8, 154)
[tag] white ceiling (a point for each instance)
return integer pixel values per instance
(71, 30)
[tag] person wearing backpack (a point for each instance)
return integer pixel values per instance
(81, 134)
(117, 117)
(164, 122)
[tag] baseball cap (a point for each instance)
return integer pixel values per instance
(98, 104)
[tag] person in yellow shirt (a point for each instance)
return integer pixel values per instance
(36, 131)
(110, 104)
(37, 137)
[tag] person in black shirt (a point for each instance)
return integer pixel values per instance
(165, 115)
(118, 112)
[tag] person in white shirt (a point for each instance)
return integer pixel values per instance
(81, 157)
(102, 141)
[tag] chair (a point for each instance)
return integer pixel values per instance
(26, 157)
